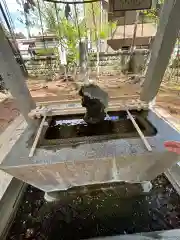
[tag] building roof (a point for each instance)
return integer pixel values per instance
(144, 36)
(143, 30)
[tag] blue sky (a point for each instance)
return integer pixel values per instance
(13, 8)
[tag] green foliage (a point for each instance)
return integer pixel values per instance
(93, 18)
(153, 13)
(46, 51)
(49, 18)
(69, 31)
(66, 31)
(104, 33)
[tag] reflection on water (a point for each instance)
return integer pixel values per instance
(79, 121)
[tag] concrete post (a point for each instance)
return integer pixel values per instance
(163, 45)
(83, 61)
(14, 79)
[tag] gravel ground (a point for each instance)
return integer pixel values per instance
(8, 112)
(95, 215)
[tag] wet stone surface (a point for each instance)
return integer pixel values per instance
(97, 214)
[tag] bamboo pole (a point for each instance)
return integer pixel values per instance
(33, 148)
(139, 132)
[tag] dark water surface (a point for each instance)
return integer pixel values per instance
(96, 215)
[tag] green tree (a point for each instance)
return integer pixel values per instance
(153, 13)
(67, 31)
(99, 29)
(51, 18)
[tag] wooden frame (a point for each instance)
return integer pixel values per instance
(124, 5)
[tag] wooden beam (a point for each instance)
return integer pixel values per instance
(123, 5)
(163, 46)
(14, 79)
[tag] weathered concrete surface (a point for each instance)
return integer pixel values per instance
(163, 45)
(9, 205)
(174, 122)
(14, 79)
(125, 190)
(75, 107)
(11, 189)
(163, 235)
(58, 168)
(7, 139)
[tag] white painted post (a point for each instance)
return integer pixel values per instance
(163, 45)
(14, 79)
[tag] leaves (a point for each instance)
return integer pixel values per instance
(154, 12)
(55, 21)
